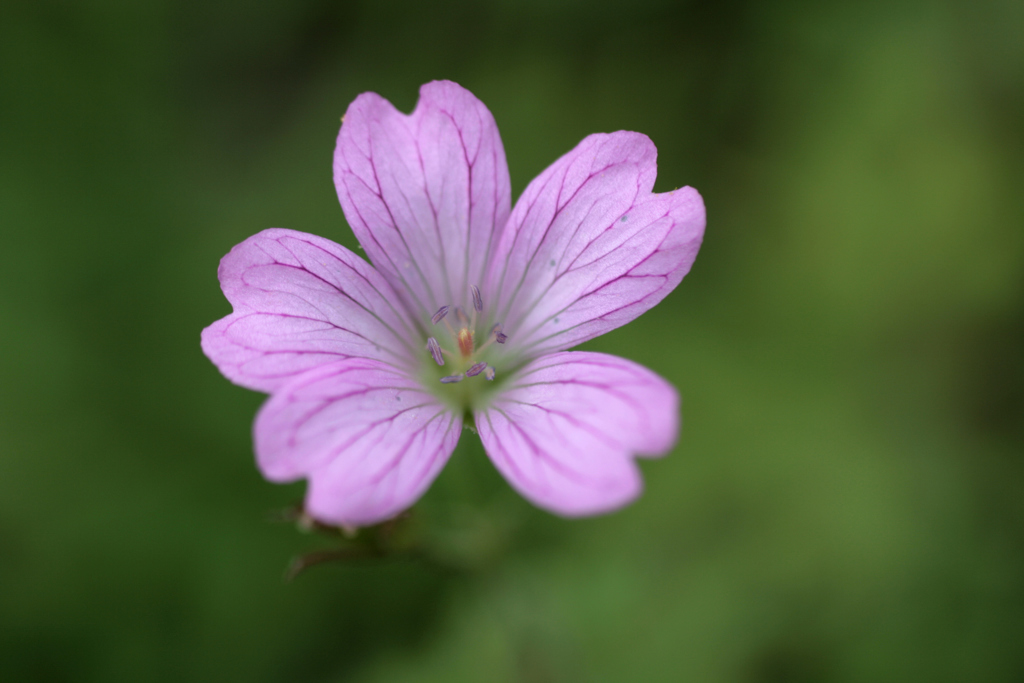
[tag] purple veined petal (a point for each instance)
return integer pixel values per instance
(366, 436)
(426, 194)
(566, 429)
(588, 247)
(301, 301)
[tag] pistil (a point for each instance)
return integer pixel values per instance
(465, 339)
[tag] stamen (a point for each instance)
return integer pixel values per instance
(435, 350)
(439, 316)
(496, 335)
(478, 305)
(463, 333)
(448, 326)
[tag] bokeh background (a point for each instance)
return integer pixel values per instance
(846, 502)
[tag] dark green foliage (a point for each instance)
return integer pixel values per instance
(844, 504)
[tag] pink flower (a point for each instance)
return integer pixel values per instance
(466, 313)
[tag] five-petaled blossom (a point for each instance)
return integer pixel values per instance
(465, 313)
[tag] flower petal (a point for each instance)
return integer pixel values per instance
(588, 246)
(425, 194)
(369, 440)
(565, 430)
(301, 301)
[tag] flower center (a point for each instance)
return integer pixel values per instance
(468, 361)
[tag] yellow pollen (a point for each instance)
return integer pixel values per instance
(465, 337)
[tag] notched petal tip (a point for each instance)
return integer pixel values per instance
(567, 429)
(591, 245)
(300, 301)
(425, 188)
(368, 442)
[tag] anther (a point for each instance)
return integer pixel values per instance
(476, 369)
(460, 316)
(435, 350)
(439, 316)
(499, 336)
(489, 374)
(452, 379)
(478, 302)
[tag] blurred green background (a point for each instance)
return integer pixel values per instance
(846, 502)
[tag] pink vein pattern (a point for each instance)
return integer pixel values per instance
(565, 431)
(301, 301)
(368, 438)
(589, 247)
(426, 193)
(346, 348)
